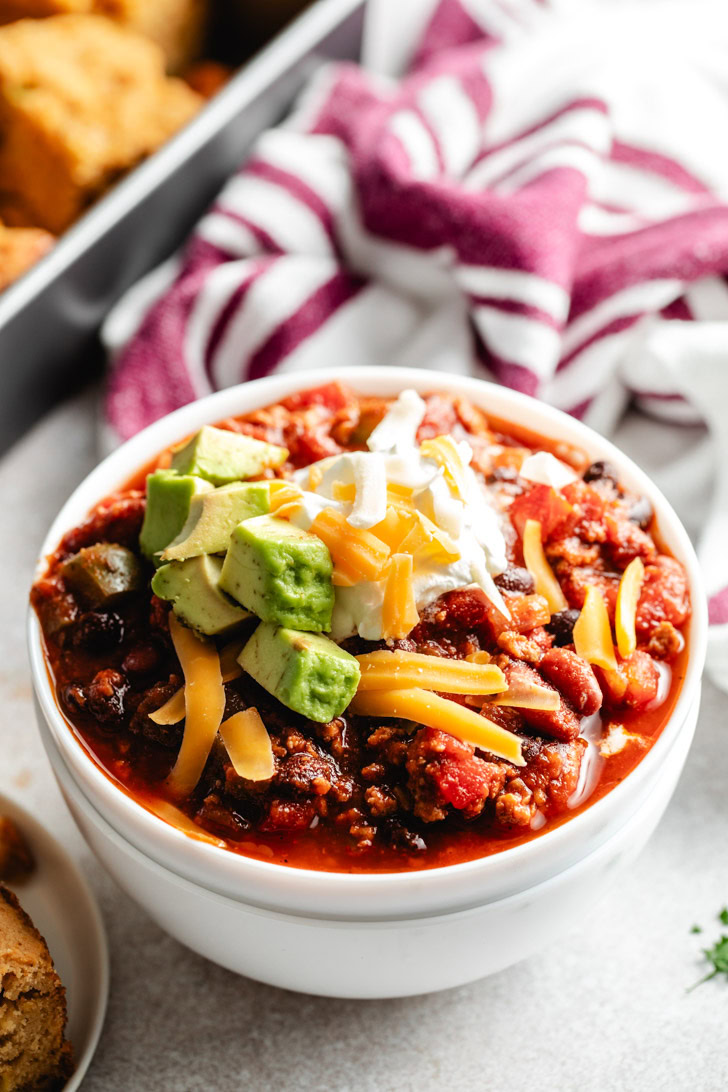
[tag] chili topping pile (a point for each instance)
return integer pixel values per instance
(362, 634)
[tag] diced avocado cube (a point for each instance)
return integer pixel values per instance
(103, 573)
(280, 573)
(221, 456)
(306, 671)
(214, 516)
(168, 505)
(193, 587)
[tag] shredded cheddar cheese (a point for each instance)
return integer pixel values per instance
(315, 476)
(444, 451)
(535, 559)
(399, 609)
(204, 705)
(426, 539)
(529, 697)
(480, 657)
(357, 554)
(248, 745)
(173, 710)
(625, 616)
(395, 527)
(343, 491)
(593, 634)
(383, 670)
(435, 711)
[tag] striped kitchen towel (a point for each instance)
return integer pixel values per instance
(541, 199)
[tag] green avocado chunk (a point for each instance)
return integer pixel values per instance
(221, 456)
(193, 587)
(103, 573)
(306, 671)
(169, 496)
(280, 573)
(214, 516)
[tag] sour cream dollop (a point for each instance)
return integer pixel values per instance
(464, 514)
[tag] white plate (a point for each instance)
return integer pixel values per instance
(65, 911)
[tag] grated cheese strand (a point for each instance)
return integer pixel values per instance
(248, 745)
(445, 452)
(593, 634)
(357, 554)
(204, 705)
(535, 559)
(625, 615)
(173, 710)
(395, 527)
(383, 670)
(435, 711)
(399, 609)
(529, 697)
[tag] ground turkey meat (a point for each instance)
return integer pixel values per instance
(545, 783)
(445, 772)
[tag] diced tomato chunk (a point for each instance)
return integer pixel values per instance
(334, 396)
(635, 683)
(440, 418)
(543, 504)
(587, 520)
(575, 581)
(626, 541)
(664, 597)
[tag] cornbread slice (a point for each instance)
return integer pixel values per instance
(10, 10)
(177, 26)
(19, 249)
(16, 858)
(82, 100)
(33, 1051)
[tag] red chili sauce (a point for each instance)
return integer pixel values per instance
(365, 794)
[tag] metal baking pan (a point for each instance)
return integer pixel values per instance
(49, 319)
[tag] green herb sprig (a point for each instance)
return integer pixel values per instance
(717, 956)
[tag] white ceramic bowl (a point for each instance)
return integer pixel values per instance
(371, 935)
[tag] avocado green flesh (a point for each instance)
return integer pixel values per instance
(103, 573)
(306, 672)
(193, 588)
(214, 515)
(169, 497)
(280, 573)
(221, 456)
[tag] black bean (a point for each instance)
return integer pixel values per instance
(516, 579)
(105, 697)
(400, 837)
(601, 471)
(562, 626)
(641, 512)
(98, 631)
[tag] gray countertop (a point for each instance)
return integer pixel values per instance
(606, 1009)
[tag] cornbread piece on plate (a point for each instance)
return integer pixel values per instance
(16, 859)
(19, 249)
(178, 26)
(82, 100)
(39, 9)
(34, 1053)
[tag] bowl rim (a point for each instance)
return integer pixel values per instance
(234, 868)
